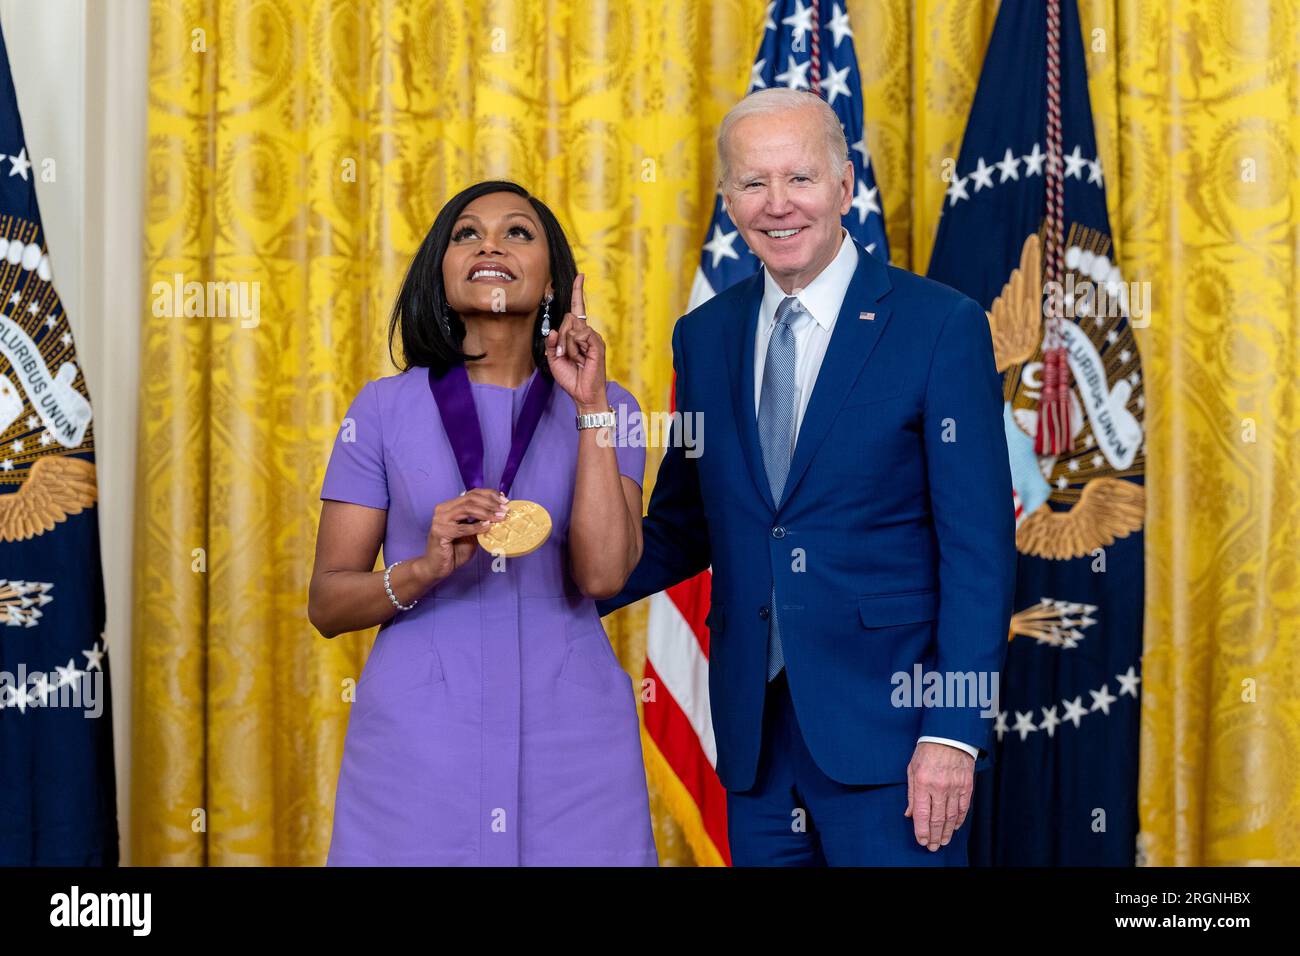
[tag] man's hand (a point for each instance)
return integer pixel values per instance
(940, 780)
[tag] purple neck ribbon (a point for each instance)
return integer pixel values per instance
(455, 401)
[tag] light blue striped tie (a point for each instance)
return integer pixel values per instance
(776, 415)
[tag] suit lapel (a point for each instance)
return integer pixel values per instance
(742, 323)
(851, 344)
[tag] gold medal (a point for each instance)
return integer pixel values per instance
(522, 531)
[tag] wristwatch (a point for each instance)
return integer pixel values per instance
(597, 419)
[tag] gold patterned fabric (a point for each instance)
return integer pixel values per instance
(301, 148)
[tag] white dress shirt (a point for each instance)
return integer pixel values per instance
(821, 299)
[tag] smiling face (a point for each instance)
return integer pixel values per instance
(784, 196)
(497, 260)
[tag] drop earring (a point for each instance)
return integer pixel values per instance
(546, 318)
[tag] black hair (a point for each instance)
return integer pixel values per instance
(422, 300)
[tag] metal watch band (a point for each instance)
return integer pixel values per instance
(597, 419)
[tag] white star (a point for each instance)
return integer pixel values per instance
(865, 201)
(1024, 723)
(21, 696)
(94, 657)
(1128, 682)
(1094, 171)
(1134, 378)
(20, 163)
(1112, 336)
(1009, 166)
(800, 21)
(982, 174)
(756, 80)
(1125, 355)
(1062, 482)
(720, 245)
(1034, 162)
(957, 190)
(68, 674)
(1074, 164)
(1102, 699)
(768, 24)
(839, 25)
(1097, 460)
(46, 439)
(1050, 720)
(834, 84)
(32, 421)
(15, 298)
(17, 445)
(861, 147)
(794, 77)
(33, 308)
(66, 338)
(1074, 710)
(43, 689)
(1073, 465)
(1000, 725)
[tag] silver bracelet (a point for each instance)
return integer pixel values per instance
(393, 597)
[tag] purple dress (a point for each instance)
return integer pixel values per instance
(493, 724)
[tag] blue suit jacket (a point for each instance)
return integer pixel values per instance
(894, 544)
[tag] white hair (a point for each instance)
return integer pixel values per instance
(779, 100)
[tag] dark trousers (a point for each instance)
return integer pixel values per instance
(795, 815)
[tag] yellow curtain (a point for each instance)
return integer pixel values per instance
(303, 147)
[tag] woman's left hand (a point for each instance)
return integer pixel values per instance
(576, 355)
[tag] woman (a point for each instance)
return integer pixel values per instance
(492, 724)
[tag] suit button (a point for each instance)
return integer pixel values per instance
(778, 532)
(763, 612)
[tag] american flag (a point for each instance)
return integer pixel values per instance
(680, 749)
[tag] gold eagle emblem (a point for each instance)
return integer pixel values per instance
(57, 486)
(1107, 509)
(1016, 317)
(1096, 505)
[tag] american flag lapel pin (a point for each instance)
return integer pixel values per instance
(867, 316)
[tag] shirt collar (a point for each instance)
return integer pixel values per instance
(822, 297)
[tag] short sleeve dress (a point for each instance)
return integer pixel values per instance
(493, 724)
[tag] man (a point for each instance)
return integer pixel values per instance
(854, 501)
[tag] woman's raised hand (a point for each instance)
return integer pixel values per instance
(576, 355)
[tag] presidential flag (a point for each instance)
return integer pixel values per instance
(57, 797)
(1024, 231)
(678, 732)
